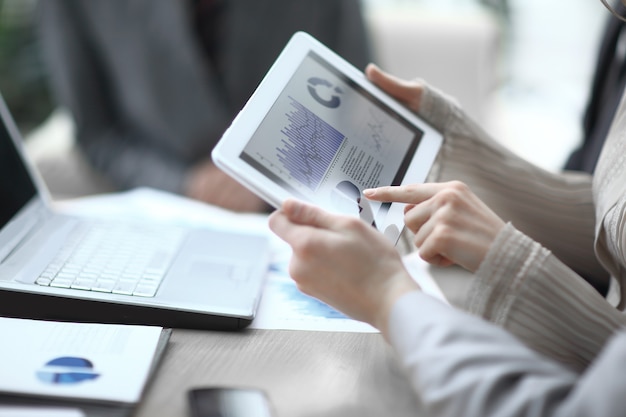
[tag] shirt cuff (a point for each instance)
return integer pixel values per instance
(420, 311)
(511, 258)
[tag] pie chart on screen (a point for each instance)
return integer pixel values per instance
(346, 197)
(67, 370)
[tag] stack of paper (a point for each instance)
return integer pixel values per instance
(84, 362)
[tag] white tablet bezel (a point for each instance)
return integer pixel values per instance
(226, 154)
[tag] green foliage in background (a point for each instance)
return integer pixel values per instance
(23, 83)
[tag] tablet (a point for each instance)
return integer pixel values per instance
(316, 129)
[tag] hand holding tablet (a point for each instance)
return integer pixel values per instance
(316, 129)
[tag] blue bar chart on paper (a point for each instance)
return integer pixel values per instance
(309, 147)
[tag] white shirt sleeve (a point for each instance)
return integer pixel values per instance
(460, 365)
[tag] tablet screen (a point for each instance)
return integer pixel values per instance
(325, 139)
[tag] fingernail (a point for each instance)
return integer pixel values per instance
(369, 192)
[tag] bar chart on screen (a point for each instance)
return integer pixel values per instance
(309, 146)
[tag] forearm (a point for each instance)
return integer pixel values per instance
(554, 209)
(461, 365)
(524, 288)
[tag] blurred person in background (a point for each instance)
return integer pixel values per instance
(153, 84)
(606, 91)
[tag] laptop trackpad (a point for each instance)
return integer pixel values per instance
(213, 273)
(210, 269)
(208, 280)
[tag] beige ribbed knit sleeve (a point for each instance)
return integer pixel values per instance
(524, 288)
(528, 289)
(557, 210)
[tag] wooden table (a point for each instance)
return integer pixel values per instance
(304, 373)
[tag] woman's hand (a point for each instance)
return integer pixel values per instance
(408, 93)
(342, 261)
(451, 224)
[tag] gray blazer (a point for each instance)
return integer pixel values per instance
(146, 101)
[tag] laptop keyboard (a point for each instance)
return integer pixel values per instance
(128, 259)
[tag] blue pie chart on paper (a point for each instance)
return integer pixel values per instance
(67, 370)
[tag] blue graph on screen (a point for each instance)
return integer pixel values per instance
(309, 147)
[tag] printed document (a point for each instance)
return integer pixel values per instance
(88, 361)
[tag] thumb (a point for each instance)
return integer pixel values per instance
(403, 90)
(304, 214)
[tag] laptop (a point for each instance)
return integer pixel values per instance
(56, 266)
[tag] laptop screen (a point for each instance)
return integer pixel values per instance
(16, 185)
